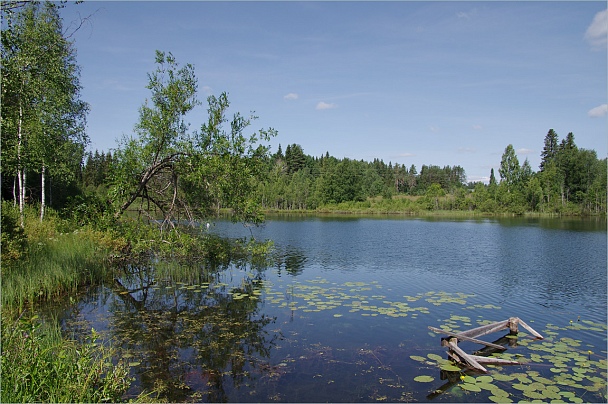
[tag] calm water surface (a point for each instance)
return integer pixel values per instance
(342, 314)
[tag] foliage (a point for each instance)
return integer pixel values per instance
(43, 117)
(38, 365)
(13, 236)
(182, 175)
(572, 182)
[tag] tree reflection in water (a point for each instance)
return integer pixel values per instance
(192, 331)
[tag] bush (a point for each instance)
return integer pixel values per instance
(13, 236)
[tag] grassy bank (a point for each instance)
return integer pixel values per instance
(39, 262)
(421, 206)
(53, 259)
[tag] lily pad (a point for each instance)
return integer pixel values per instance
(424, 379)
(470, 387)
(500, 399)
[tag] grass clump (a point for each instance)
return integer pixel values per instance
(39, 365)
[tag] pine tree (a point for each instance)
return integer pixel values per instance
(549, 150)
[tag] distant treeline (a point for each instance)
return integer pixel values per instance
(570, 180)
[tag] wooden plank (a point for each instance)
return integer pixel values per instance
(466, 357)
(485, 329)
(530, 329)
(494, 361)
(465, 338)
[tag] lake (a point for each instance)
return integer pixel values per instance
(343, 311)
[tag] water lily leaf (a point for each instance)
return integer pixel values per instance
(500, 399)
(485, 379)
(435, 357)
(448, 367)
(424, 379)
(418, 358)
(470, 387)
(533, 395)
(503, 378)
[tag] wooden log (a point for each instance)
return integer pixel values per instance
(530, 329)
(493, 361)
(466, 357)
(485, 329)
(465, 338)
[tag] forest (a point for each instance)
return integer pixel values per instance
(570, 181)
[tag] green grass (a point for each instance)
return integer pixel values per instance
(53, 264)
(39, 365)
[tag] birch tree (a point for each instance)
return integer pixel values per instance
(43, 118)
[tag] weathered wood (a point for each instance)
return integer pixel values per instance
(460, 336)
(495, 361)
(485, 329)
(530, 329)
(466, 357)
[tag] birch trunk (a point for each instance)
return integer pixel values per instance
(42, 192)
(20, 170)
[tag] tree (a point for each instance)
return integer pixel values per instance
(177, 173)
(525, 173)
(509, 169)
(549, 149)
(295, 158)
(492, 177)
(43, 117)
(148, 165)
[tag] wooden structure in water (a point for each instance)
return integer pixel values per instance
(475, 361)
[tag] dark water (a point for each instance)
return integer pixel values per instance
(343, 312)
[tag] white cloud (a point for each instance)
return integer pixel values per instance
(524, 151)
(291, 96)
(597, 32)
(207, 90)
(406, 155)
(466, 150)
(598, 111)
(433, 128)
(324, 105)
(467, 14)
(477, 127)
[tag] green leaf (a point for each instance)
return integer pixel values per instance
(424, 379)
(470, 387)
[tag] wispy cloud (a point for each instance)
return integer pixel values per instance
(597, 33)
(599, 111)
(325, 105)
(434, 128)
(523, 151)
(467, 15)
(477, 127)
(291, 96)
(467, 150)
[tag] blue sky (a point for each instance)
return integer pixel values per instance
(444, 83)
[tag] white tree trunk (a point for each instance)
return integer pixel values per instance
(20, 170)
(43, 192)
